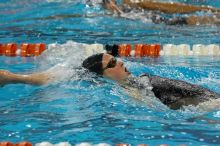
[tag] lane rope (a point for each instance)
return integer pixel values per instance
(45, 143)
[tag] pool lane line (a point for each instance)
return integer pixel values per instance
(121, 50)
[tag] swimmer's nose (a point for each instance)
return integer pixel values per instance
(120, 63)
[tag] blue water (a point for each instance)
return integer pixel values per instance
(88, 109)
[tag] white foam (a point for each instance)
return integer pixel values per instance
(143, 16)
(63, 61)
(70, 53)
(217, 114)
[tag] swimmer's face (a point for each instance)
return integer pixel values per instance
(114, 69)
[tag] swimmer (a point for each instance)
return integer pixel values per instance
(169, 8)
(173, 93)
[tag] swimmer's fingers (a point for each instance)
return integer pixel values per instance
(118, 10)
(114, 7)
(4, 77)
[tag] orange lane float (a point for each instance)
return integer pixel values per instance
(10, 49)
(146, 50)
(139, 50)
(6, 143)
(2, 49)
(24, 143)
(28, 50)
(152, 50)
(25, 50)
(124, 50)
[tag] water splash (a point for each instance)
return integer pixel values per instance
(66, 59)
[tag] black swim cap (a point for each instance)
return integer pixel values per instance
(94, 63)
(112, 50)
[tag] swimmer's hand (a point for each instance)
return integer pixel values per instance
(4, 77)
(112, 6)
(117, 9)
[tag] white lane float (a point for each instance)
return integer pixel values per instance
(169, 50)
(84, 144)
(45, 143)
(183, 50)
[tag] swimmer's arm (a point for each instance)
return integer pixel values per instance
(203, 118)
(7, 77)
(112, 6)
(169, 7)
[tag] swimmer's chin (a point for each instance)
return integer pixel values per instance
(123, 80)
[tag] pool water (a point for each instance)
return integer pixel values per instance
(86, 108)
